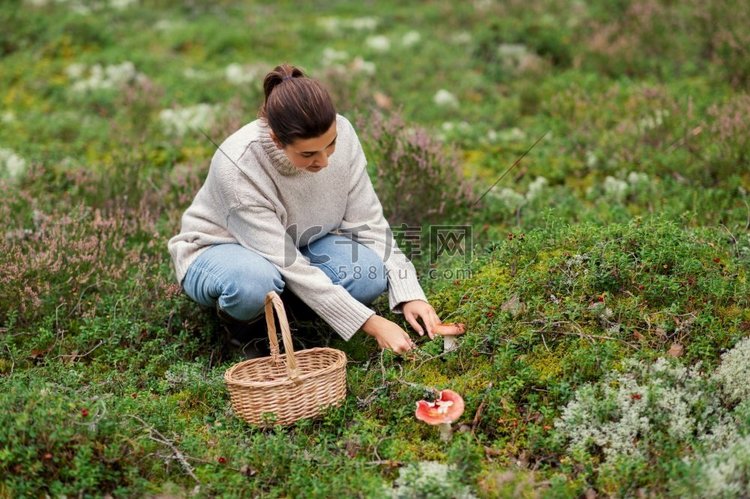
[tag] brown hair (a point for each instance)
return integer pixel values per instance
(296, 107)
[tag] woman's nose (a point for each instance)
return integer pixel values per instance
(321, 159)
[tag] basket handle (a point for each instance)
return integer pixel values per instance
(273, 301)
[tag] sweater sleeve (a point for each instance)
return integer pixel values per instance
(256, 226)
(365, 223)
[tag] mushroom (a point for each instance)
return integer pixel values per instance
(448, 330)
(442, 412)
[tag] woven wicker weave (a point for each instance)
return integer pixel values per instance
(282, 388)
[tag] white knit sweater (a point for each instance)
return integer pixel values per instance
(255, 197)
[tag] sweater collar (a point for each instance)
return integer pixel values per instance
(277, 156)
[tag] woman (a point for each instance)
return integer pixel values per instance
(287, 203)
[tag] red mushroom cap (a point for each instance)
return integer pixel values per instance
(449, 329)
(446, 409)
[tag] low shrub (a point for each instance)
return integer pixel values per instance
(417, 180)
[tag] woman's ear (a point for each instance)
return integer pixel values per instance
(276, 140)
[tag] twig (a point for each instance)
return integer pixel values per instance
(60, 333)
(579, 332)
(480, 409)
(94, 419)
(80, 298)
(114, 309)
(211, 358)
(362, 403)
(386, 462)
(515, 163)
(208, 461)
(734, 239)
(12, 361)
(75, 356)
(169, 322)
(680, 141)
(156, 436)
(428, 359)
(545, 343)
(418, 386)
(375, 448)
(382, 366)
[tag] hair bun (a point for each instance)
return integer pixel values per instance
(301, 109)
(279, 75)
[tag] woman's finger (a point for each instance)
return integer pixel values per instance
(430, 322)
(403, 346)
(436, 318)
(412, 320)
(410, 345)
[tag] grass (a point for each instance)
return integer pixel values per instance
(621, 238)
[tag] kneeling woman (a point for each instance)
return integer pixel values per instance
(287, 203)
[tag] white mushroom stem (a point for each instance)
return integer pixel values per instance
(449, 343)
(446, 431)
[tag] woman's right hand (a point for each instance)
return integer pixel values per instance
(388, 334)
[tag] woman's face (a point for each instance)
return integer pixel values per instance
(311, 154)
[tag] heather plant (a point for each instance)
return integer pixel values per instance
(721, 26)
(639, 37)
(59, 260)
(727, 142)
(417, 180)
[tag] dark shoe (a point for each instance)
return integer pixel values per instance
(307, 328)
(248, 338)
(296, 309)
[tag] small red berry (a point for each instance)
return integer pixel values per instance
(490, 315)
(547, 427)
(85, 413)
(717, 260)
(222, 460)
(636, 396)
(47, 456)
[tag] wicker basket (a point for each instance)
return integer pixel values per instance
(282, 388)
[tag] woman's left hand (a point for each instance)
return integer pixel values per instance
(418, 309)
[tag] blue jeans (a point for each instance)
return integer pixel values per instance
(237, 279)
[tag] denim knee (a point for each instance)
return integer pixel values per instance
(244, 299)
(234, 278)
(371, 284)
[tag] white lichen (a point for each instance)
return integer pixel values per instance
(180, 121)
